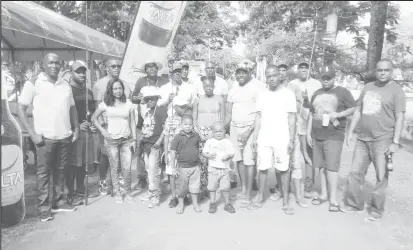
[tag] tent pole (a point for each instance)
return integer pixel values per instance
(88, 81)
(13, 60)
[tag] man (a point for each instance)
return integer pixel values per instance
(326, 126)
(240, 116)
(77, 167)
(274, 135)
(306, 86)
(151, 79)
(380, 113)
(55, 128)
(221, 86)
(99, 89)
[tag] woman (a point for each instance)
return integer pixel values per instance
(207, 109)
(120, 142)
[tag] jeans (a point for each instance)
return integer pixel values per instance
(153, 167)
(120, 156)
(364, 154)
(52, 160)
(141, 169)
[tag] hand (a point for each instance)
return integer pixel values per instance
(37, 139)
(226, 157)
(157, 145)
(75, 135)
(333, 115)
(244, 137)
(84, 125)
(308, 161)
(291, 145)
(202, 137)
(349, 139)
(393, 148)
(175, 172)
(254, 146)
(309, 140)
(93, 128)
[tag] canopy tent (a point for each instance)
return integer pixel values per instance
(30, 31)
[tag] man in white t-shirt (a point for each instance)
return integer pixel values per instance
(306, 86)
(274, 135)
(240, 115)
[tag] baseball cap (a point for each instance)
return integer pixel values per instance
(147, 63)
(304, 63)
(78, 64)
(328, 71)
(184, 64)
(282, 63)
(150, 91)
(176, 66)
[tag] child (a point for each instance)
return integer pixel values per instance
(185, 150)
(152, 137)
(219, 150)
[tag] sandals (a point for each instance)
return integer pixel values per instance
(276, 197)
(317, 201)
(334, 208)
(288, 210)
(255, 205)
(245, 203)
(302, 204)
(197, 210)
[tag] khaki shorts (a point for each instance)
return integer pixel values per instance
(190, 181)
(271, 157)
(246, 155)
(219, 178)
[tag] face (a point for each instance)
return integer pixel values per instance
(187, 125)
(282, 73)
(218, 132)
(243, 77)
(79, 75)
(176, 75)
(152, 70)
(52, 65)
(117, 89)
(114, 68)
(151, 101)
(272, 76)
(210, 70)
(384, 71)
(208, 87)
(303, 71)
(327, 82)
(185, 71)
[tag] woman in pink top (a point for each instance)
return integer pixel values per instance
(119, 135)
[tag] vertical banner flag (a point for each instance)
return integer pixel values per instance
(152, 34)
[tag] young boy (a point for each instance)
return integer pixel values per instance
(150, 144)
(219, 150)
(185, 150)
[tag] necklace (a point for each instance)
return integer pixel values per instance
(156, 83)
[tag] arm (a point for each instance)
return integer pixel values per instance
(257, 126)
(228, 116)
(136, 92)
(398, 128)
(97, 124)
(74, 121)
(172, 160)
(309, 127)
(132, 123)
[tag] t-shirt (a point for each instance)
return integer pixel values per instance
(80, 103)
(187, 149)
(153, 121)
(323, 101)
(118, 119)
(221, 87)
(221, 148)
(274, 107)
(243, 100)
(379, 106)
(184, 95)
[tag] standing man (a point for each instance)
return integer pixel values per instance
(274, 135)
(56, 127)
(326, 126)
(99, 89)
(221, 86)
(151, 79)
(240, 116)
(380, 113)
(306, 86)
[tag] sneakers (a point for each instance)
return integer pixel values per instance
(118, 199)
(77, 200)
(66, 207)
(146, 197)
(229, 208)
(129, 198)
(91, 194)
(46, 216)
(154, 202)
(212, 208)
(174, 202)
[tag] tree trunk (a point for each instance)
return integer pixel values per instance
(376, 32)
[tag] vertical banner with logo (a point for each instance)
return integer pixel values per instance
(152, 34)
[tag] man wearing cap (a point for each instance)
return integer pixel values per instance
(306, 86)
(99, 89)
(150, 80)
(326, 126)
(56, 127)
(240, 116)
(78, 161)
(221, 86)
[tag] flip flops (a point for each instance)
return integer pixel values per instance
(255, 205)
(317, 201)
(288, 210)
(334, 208)
(302, 204)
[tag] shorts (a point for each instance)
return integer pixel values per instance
(246, 155)
(301, 126)
(271, 157)
(219, 178)
(190, 181)
(327, 154)
(78, 150)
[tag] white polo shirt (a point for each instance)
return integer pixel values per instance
(51, 106)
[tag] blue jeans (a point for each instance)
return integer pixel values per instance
(52, 160)
(153, 167)
(120, 156)
(364, 154)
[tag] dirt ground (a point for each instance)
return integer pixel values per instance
(103, 224)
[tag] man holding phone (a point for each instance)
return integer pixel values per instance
(55, 128)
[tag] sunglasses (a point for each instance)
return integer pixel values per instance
(150, 98)
(115, 66)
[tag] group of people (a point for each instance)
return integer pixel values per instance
(198, 131)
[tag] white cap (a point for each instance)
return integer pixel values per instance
(150, 91)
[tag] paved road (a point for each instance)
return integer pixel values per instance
(106, 225)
